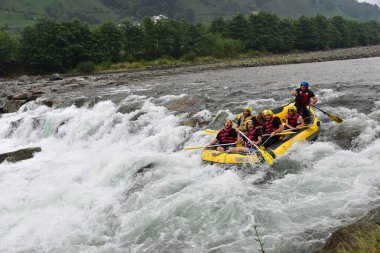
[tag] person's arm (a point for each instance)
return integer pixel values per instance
(236, 135)
(280, 127)
(287, 124)
(314, 100)
(302, 122)
(213, 142)
(259, 140)
(239, 139)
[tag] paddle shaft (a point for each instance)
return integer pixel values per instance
(267, 157)
(217, 145)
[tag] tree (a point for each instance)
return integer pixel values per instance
(324, 32)
(133, 35)
(7, 46)
(307, 35)
(109, 42)
(237, 28)
(218, 25)
(264, 32)
(42, 46)
(48, 46)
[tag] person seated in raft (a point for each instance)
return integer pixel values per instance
(303, 97)
(253, 133)
(271, 126)
(294, 120)
(227, 135)
(243, 118)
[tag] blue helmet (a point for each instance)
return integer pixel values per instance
(306, 84)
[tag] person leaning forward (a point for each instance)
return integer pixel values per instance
(303, 97)
(226, 137)
(271, 126)
(243, 118)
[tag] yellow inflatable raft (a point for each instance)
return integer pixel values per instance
(309, 133)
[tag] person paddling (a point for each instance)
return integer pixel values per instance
(303, 97)
(227, 135)
(271, 126)
(254, 135)
(294, 120)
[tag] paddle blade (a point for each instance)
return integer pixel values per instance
(209, 131)
(335, 118)
(193, 148)
(267, 157)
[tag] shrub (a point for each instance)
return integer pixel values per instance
(86, 67)
(189, 57)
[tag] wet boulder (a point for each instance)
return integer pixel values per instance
(19, 155)
(55, 77)
(13, 105)
(350, 237)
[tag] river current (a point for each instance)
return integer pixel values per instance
(113, 177)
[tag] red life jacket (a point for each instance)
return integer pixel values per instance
(251, 136)
(269, 127)
(225, 136)
(304, 97)
(293, 120)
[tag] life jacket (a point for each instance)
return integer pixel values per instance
(250, 135)
(225, 136)
(268, 126)
(293, 120)
(242, 121)
(303, 98)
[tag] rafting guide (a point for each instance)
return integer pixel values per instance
(303, 97)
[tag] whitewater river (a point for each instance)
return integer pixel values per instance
(113, 177)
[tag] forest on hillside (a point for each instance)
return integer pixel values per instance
(49, 46)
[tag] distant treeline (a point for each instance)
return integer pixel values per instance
(49, 46)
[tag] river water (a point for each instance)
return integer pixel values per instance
(113, 177)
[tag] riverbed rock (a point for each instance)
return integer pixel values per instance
(55, 77)
(25, 78)
(21, 96)
(347, 237)
(13, 105)
(19, 155)
(183, 104)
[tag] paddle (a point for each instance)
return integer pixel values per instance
(282, 133)
(268, 158)
(209, 131)
(331, 116)
(202, 147)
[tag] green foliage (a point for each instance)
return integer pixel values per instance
(189, 57)
(365, 242)
(86, 67)
(50, 46)
(108, 42)
(7, 46)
